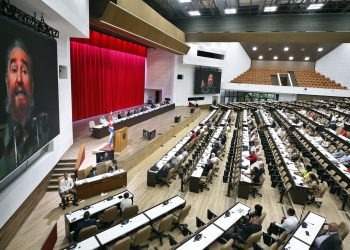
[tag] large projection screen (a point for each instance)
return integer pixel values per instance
(29, 114)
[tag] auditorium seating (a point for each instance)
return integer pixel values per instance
(309, 79)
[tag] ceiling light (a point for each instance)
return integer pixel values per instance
(291, 58)
(286, 49)
(230, 11)
(255, 48)
(320, 49)
(185, 1)
(275, 57)
(270, 49)
(270, 8)
(307, 58)
(194, 13)
(315, 6)
(302, 49)
(261, 57)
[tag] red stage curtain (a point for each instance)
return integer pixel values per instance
(105, 80)
(109, 42)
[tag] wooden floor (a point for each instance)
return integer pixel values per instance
(47, 211)
(163, 124)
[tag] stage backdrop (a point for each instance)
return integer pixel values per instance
(108, 74)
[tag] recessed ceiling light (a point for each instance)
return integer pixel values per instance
(315, 6)
(275, 57)
(230, 11)
(255, 48)
(302, 49)
(307, 58)
(194, 13)
(261, 57)
(286, 49)
(185, 1)
(270, 8)
(320, 49)
(291, 58)
(270, 49)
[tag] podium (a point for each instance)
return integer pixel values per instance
(120, 141)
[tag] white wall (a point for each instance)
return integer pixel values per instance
(16, 193)
(160, 72)
(287, 98)
(236, 61)
(336, 64)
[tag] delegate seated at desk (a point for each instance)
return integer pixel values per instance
(165, 170)
(66, 186)
(288, 224)
(207, 167)
(83, 224)
(252, 227)
(92, 173)
(328, 240)
(125, 202)
(113, 167)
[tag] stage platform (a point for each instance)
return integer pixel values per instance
(138, 147)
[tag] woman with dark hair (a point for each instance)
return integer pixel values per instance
(313, 184)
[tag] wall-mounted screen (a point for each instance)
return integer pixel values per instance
(207, 81)
(29, 115)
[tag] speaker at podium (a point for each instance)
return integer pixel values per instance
(120, 141)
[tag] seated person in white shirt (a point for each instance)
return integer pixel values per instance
(180, 156)
(185, 153)
(345, 160)
(103, 120)
(329, 240)
(174, 161)
(287, 225)
(66, 186)
(126, 202)
(214, 159)
(338, 153)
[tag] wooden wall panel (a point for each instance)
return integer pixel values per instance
(290, 65)
(9, 230)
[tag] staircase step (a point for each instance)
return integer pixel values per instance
(52, 188)
(53, 181)
(67, 160)
(65, 164)
(63, 170)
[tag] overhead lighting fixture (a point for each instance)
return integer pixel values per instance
(230, 11)
(185, 1)
(315, 6)
(286, 49)
(255, 48)
(291, 58)
(194, 13)
(261, 57)
(302, 49)
(270, 49)
(275, 57)
(320, 49)
(270, 8)
(307, 58)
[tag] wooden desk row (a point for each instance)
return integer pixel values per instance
(101, 183)
(152, 173)
(73, 218)
(306, 233)
(100, 131)
(137, 222)
(212, 231)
